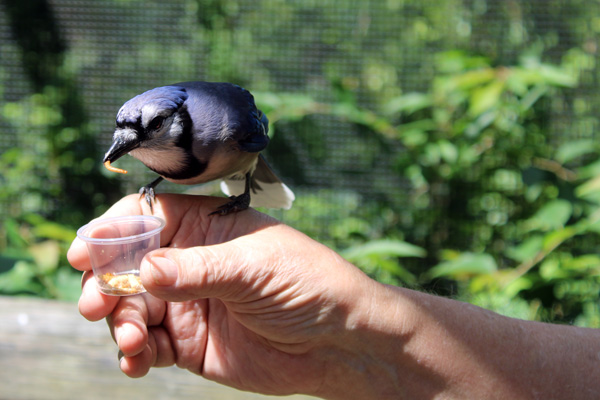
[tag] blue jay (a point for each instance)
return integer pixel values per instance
(196, 132)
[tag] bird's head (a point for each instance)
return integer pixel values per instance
(151, 120)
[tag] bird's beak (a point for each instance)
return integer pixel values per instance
(122, 144)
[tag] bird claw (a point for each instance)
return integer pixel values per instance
(148, 192)
(236, 204)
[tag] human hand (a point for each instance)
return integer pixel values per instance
(254, 304)
(242, 299)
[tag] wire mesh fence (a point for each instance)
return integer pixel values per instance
(375, 50)
(68, 65)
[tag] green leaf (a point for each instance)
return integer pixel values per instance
(471, 79)
(518, 285)
(347, 227)
(394, 268)
(389, 247)
(46, 255)
(571, 150)
(552, 215)
(15, 239)
(550, 269)
(483, 121)
(584, 263)
(546, 73)
(448, 151)
(68, 284)
(590, 170)
(532, 96)
(556, 76)
(408, 103)
(513, 307)
(454, 61)
(20, 279)
(431, 154)
(51, 230)
(527, 249)
(486, 97)
(588, 187)
(414, 137)
(267, 100)
(554, 238)
(466, 264)
(286, 106)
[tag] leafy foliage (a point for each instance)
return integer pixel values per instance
(33, 259)
(503, 216)
(451, 173)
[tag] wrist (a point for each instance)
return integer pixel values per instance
(364, 358)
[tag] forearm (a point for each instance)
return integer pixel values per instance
(411, 345)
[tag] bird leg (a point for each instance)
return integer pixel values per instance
(236, 203)
(148, 191)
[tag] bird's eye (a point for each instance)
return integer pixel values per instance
(156, 123)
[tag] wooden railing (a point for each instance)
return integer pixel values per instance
(49, 351)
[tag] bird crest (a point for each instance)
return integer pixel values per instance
(161, 101)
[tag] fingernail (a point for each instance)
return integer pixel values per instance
(163, 270)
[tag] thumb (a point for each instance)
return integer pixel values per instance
(194, 273)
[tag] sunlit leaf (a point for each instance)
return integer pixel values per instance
(502, 303)
(485, 97)
(454, 61)
(68, 284)
(483, 121)
(584, 263)
(395, 269)
(518, 285)
(448, 151)
(571, 150)
(527, 249)
(465, 265)
(396, 248)
(532, 96)
(46, 255)
(414, 137)
(431, 154)
(554, 238)
(552, 215)
(407, 103)
(11, 227)
(590, 170)
(556, 76)
(51, 230)
(550, 269)
(473, 78)
(589, 187)
(20, 279)
(286, 106)
(347, 227)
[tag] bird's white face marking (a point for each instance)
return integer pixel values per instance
(125, 134)
(170, 127)
(158, 149)
(151, 111)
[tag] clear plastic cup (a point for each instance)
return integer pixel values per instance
(116, 247)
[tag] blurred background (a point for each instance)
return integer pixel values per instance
(447, 146)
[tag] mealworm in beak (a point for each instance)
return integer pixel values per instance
(114, 169)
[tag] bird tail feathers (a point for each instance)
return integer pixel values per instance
(266, 189)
